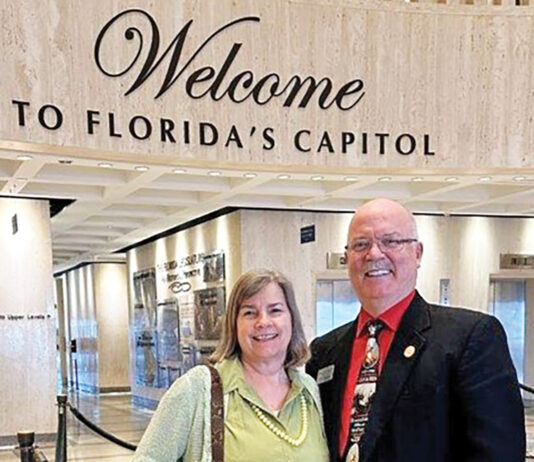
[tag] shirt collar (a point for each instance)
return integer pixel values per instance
(231, 372)
(391, 317)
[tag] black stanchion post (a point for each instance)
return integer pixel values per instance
(27, 450)
(61, 442)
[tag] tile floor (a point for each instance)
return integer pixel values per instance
(115, 414)
(112, 412)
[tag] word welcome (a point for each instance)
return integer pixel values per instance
(221, 82)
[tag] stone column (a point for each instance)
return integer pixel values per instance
(27, 321)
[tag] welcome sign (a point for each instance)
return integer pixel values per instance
(291, 83)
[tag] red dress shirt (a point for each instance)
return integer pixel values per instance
(391, 318)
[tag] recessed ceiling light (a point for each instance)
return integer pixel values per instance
(520, 178)
(24, 157)
(384, 178)
(417, 178)
(105, 165)
(317, 178)
(485, 178)
(451, 179)
(141, 168)
(284, 176)
(214, 173)
(178, 170)
(250, 175)
(350, 178)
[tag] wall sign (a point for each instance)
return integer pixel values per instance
(14, 224)
(20, 317)
(516, 261)
(207, 81)
(307, 234)
(303, 84)
(336, 260)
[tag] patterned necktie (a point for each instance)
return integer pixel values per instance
(365, 389)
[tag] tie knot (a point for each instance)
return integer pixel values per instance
(374, 327)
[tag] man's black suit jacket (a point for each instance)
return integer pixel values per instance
(455, 399)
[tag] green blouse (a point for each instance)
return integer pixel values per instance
(180, 430)
(247, 439)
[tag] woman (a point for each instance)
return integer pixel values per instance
(272, 411)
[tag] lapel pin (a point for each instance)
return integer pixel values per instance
(409, 351)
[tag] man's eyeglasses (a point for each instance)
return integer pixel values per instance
(385, 244)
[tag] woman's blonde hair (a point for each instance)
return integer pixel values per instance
(248, 285)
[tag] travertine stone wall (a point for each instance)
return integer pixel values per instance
(454, 75)
(83, 328)
(27, 322)
(97, 307)
(111, 299)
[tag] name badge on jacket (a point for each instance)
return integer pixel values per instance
(325, 374)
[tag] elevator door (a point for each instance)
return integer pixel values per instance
(508, 304)
(336, 304)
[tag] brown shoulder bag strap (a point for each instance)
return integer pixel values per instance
(217, 416)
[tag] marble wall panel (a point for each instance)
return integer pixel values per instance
(27, 344)
(111, 299)
(457, 73)
(83, 328)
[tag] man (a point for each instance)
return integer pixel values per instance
(409, 381)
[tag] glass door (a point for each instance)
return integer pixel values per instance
(508, 304)
(336, 304)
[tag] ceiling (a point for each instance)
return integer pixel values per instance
(120, 204)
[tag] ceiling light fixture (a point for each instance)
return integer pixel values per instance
(350, 178)
(284, 176)
(141, 168)
(214, 173)
(384, 178)
(520, 178)
(451, 179)
(105, 165)
(484, 178)
(417, 178)
(250, 175)
(178, 170)
(317, 178)
(24, 157)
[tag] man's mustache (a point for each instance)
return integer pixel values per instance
(374, 265)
